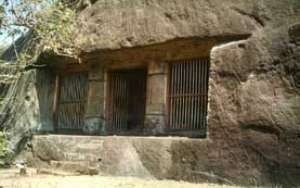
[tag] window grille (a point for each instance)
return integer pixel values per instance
(71, 103)
(187, 95)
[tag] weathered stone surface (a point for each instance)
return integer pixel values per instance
(94, 125)
(154, 123)
(156, 97)
(130, 23)
(254, 101)
(254, 96)
(20, 110)
(156, 92)
(95, 99)
(94, 113)
(111, 155)
(294, 32)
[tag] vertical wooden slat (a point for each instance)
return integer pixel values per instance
(181, 93)
(118, 114)
(185, 83)
(192, 74)
(201, 96)
(116, 99)
(55, 101)
(119, 102)
(116, 103)
(111, 98)
(176, 76)
(170, 99)
(175, 108)
(172, 86)
(190, 113)
(197, 94)
(190, 98)
(202, 92)
(124, 100)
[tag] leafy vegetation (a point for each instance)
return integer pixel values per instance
(5, 154)
(51, 21)
(51, 24)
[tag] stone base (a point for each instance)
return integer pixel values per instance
(195, 160)
(94, 126)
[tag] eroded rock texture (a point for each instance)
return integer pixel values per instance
(254, 103)
(254, 106)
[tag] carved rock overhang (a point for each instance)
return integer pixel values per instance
(172, 50)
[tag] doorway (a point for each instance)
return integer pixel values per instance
(126, 100)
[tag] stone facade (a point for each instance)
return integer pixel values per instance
(254, 103)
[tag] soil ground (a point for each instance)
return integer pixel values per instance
(12, 179)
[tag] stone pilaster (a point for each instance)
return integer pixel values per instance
(155, 118)
(94, 113)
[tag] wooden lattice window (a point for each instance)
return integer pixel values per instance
(187, 95)
(71, 102)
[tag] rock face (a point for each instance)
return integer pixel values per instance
(19, 108)
(118, 24)
(19, 104)
(254, 93)
(254, 105)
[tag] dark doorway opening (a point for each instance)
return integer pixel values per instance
(126, 100)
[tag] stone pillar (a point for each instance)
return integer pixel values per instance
(94, 113)
(155, 118)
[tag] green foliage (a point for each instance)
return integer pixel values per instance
(5, 153)
(56, 27)
(51, 21)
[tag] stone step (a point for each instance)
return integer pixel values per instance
(80, 167)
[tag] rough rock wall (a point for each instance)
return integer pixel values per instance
(19, 108)
(255, 101)
(254, 105)
(19, 103)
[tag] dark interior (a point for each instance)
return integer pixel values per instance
(127, 98)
